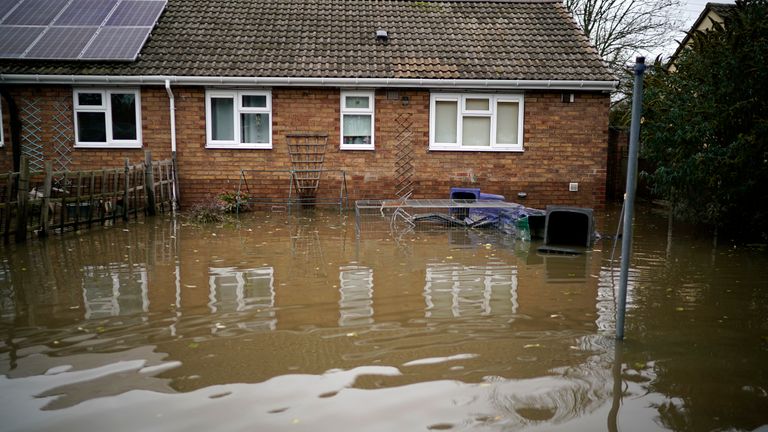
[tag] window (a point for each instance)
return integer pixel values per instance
(107, 118)
(238, 119)
(357, 120)
(476, 122)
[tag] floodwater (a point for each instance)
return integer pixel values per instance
(293, 323)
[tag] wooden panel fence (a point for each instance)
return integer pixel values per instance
(55, 201)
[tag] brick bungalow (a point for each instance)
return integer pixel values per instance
(505, 95)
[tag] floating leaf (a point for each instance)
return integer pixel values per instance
(193, 345)
(532, 346)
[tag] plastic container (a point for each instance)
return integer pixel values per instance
(523, 230)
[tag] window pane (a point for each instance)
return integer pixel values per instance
(254, 128)
(478, 104)
(477, 131)
(357, 129)
(360, 102)
(90, 99)
(223, 119)
(91, 127)
(123, 116)
(253, 101)
(506, 122)
(445, 121)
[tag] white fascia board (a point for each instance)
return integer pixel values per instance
(574, 85)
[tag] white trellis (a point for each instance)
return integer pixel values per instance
(31, 133)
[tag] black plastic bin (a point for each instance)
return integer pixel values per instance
(569, 226)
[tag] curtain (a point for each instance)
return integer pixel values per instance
(254, 128)
(445, 121)
(476, 131)
(506, 122)
(223, 119)
(357, 129)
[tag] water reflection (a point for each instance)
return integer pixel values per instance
(356, 295)
(113, 290)
(454, 290)
(293, 323)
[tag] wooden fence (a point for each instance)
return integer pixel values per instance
(54, 201)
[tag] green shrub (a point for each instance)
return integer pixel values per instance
(231, 202)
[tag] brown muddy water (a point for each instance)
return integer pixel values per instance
(293, 323)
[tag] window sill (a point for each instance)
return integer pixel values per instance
(367, 147)
(239, 146)
(479, 149)
(110, 146)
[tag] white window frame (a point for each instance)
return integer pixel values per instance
(106, 108)
(371, 95)
(237, 95)
(461, 101)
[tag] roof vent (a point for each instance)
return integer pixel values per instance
(382, 36)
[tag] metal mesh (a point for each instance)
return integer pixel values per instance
(401, 216)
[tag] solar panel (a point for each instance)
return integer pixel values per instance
(76, 29)
(6, 6)
(117, 43)
(61, 43)
(136, 13)
(86, 12)
(17, 39)
(35, 12)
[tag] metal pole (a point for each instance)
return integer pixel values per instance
(629, 197)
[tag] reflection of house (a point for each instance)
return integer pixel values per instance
(356, 296)
(712, 13)
(114, 290)
(236, 290)
(454, 290)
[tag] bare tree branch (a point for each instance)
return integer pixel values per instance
(621, 29)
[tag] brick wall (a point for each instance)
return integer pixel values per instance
(563, 142)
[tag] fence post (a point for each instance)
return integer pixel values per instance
(8, 203)
(45, 220)
(77, 200)
(125, 192)
(23, 197)
(149, 183)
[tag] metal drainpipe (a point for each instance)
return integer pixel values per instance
(172, 108)
(629, 197)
